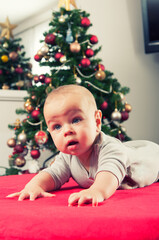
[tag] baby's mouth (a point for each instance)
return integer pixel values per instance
(71, 143)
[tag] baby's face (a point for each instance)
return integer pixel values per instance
(72, 123)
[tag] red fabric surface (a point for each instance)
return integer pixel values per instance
(128, 214)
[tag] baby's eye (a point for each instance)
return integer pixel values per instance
(76, 120)
(56, 127)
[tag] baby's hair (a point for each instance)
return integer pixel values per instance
(67, 89)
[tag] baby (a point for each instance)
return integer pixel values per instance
(97, 162)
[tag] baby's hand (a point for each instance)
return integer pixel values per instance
(31, 193)
(86, 196)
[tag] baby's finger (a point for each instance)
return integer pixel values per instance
(22, 196)
(94, 202)
(73, 199)
(84, 199)
(46, 194)
(13, 195)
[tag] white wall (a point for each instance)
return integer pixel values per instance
(118, 26)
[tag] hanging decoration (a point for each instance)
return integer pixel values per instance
(7, 28)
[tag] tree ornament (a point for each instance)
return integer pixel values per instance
(128, 107)
(5, 45)
(44, 50)
(124, 115)
(13, 56)
(100, 66)
(69, 37)
(122, 96)
(85, 62)
(77, 79)
(27, 103)
(41, 137)
(116, 115)
(4, 58)
(36, 79)
(85, 22)
(39, 53)
(20, 84)
(120, 136)
(42, 78)
(35, 153)
(20, 161)
(63, 59)
(104, 105)
(25, 151)
(35, 114)
(100, 75)
(19, 70)
(48, 80)
(37, 58)
(22, 137)
(75, 47)
(7, 28)
(58, 55)
(17, 123)
(19, 148)
(50, 38)
(89, 53)
(93, 39)
(11, 142)
(61, 19)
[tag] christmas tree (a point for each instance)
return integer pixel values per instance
(15, 70)
(71, 54)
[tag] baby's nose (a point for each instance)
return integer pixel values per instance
(68, 130)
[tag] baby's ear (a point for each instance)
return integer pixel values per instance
(98, 118)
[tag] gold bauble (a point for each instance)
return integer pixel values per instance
(11, 142)
(17, 123)
(128, 107)
(20, 161)
(75, 47)
(100, 75)
(4, 58)
(27, 103)
(63, 59)
(13, 56)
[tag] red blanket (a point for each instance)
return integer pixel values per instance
(128, 214)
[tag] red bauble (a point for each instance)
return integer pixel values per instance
(35, 153)
(48, 80)
(93, 39)
(89, 52)
(85, 22)
(104, 105)
(85, 62)
(35, 114)
(1, 71)
(19, 70)
(121, 137)
(36, 79)
(101, 66)
(37, 58)
(19, 148)
(58, 55)
(50, 39)
(124, 116)
(42, 78)
(41, 137)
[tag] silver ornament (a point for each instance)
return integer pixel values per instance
(44, 49)
(22, 137)
(116, 115)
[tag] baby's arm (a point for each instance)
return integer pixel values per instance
(39, 186)
(103, 187)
